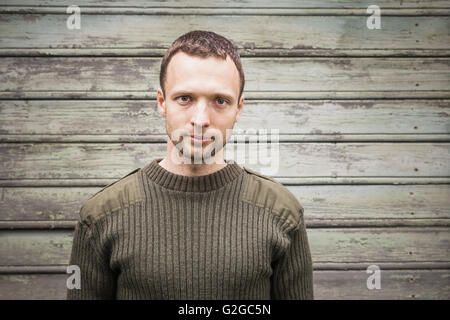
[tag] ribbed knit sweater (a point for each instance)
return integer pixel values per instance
(153, 234)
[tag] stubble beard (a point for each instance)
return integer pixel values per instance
(195, 153)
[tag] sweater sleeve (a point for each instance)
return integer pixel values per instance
(292, 277)
(98, 281)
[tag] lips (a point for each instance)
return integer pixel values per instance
(201, 138)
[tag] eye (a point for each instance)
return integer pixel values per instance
(183, 99)
(221, 101)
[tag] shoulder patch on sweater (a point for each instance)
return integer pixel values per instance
(118, 194)
(265, 192)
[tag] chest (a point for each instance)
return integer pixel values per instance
(206, 249)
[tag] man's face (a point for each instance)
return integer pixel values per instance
(201, 100)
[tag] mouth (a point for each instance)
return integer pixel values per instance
(200, 139)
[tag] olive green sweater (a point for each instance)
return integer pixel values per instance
(153, 234)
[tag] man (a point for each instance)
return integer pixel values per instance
(180, 228)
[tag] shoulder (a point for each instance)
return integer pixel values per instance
(119, 194)
(263, 191)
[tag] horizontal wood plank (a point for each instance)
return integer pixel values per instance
(240, 4)
(349, 285)
(327, 266)
(310, 223)
(245, 133)
(338, 245)
(329, 204)
(152, 52)
(248, 32)
(402, 284)
(288, 181)
(102, 75)
(126, 118)
(249, 95)
(221, 11)
(113, 160)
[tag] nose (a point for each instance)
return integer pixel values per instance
(200, 116)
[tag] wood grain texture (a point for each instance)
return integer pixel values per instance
(363, 120)
(338, 245)
(349, 285)
(113, 160)
(327, 203)
(249, 32)
(401, 284)
(103, 75)
(237, 3)
(126, 118)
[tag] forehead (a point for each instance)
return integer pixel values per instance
(188, 72)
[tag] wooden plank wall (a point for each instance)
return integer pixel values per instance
(363, 118)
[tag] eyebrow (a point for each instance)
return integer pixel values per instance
(185, 92)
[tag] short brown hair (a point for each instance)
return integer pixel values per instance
(203, 44)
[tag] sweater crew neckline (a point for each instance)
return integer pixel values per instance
(205, 183)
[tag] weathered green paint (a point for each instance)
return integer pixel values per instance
(24, 74)
(238, 3)
(326, 203)
(250, 31)
(395, 284)
(399, 139)
(43, 204)
(340, 245)
(110, 160)
(301, 117)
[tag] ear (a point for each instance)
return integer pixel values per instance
(161, 102)
(240, 107)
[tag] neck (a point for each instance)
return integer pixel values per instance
(203, 183)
